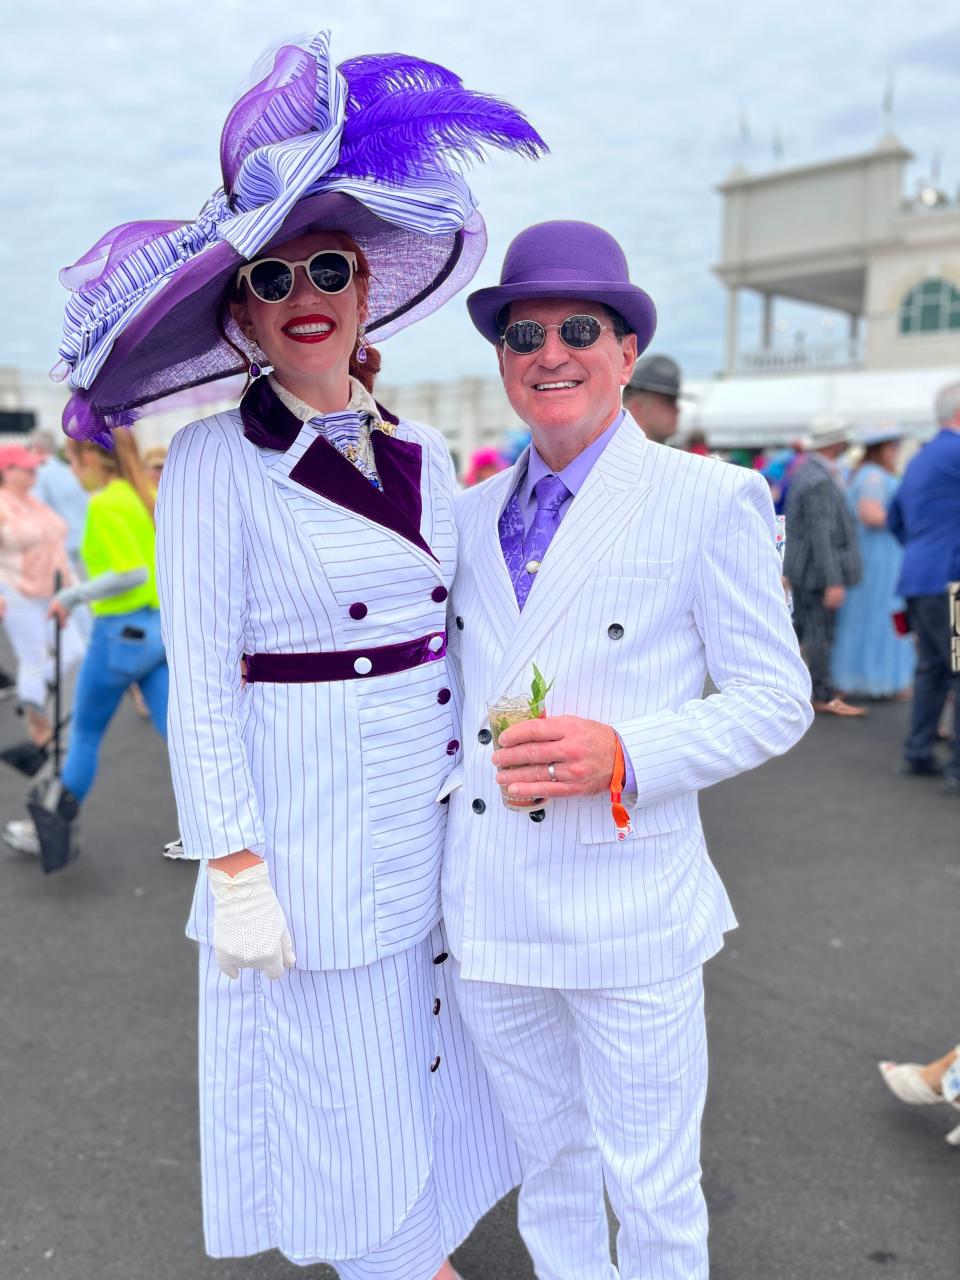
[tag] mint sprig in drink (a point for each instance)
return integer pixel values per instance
(538, 692)
(514, 708)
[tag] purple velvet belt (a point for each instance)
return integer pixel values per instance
(344, 664)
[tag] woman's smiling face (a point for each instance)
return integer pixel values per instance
(309, 336)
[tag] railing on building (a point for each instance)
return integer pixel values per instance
(802, 357)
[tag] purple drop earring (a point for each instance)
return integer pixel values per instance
(254, 371)
(361, 347)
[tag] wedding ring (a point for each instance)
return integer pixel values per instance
(552, 772)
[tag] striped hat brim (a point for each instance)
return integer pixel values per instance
(179, 339)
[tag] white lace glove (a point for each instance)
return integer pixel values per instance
(249, 931)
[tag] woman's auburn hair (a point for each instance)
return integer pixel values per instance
(366, 372)
(123, 460)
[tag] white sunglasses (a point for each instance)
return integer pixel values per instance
(272, 279)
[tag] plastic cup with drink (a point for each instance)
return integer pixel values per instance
(514, 708)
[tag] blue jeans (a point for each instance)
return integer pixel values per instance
(113, 662)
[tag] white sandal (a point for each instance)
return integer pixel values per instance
(904, 1080)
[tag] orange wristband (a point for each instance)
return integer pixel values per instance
(621, 817)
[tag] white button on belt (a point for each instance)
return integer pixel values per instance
(363, 666)
(532, 566)
(435, 644)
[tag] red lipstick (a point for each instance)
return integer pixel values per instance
(299, 322)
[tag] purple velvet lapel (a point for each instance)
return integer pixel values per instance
(398, 466)
(269, 424)
(326, 472)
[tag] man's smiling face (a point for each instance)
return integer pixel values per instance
(562, 393)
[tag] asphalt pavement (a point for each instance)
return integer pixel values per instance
(846, 881)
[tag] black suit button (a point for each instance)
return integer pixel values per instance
(484, 736)
(538, 815)
(441, 957)
(435, 1063)
(615, 631)
(459, 623)
(436, 1006)
(479, 806)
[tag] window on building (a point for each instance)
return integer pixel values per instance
(930, 307)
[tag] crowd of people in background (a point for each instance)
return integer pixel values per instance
(77, 538)
(34, 561)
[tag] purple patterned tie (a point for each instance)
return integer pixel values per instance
(523, 554)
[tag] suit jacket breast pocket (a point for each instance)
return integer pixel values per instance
(662, 570)
(631, 607)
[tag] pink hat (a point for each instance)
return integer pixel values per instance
(481, 459)
(16, 455)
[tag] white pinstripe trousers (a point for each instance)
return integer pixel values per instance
(602, 1086)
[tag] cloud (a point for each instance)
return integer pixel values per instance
(939, 51)
(114, 117)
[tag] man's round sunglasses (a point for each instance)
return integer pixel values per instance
(271, 279)
(526, 336)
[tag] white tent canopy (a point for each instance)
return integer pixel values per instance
(777, 409)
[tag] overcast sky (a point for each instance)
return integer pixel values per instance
(114, 110)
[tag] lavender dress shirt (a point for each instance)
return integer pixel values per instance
(573, 476)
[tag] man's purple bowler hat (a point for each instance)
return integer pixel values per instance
(565, 260)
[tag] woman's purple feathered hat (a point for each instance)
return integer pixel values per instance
(565, 260)
(369, 147)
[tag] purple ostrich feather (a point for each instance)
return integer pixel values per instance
(402, 133)
(370, 77)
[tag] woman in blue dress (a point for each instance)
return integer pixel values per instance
(869, 657)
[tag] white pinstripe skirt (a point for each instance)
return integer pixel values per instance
(330, 1130)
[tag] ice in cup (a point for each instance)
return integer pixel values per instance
(508, 709)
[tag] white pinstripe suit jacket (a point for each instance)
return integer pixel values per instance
(662, 571)
(335, 783)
